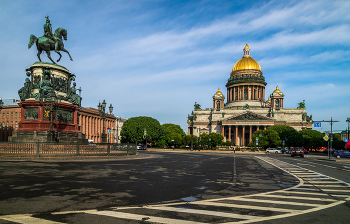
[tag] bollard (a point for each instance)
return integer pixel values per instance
(108, 149)
(37, 149)
(77, 147)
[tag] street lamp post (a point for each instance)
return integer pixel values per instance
(101, 109)
(348, 120)
(191, 118)
(145, 136)
(54, 104)
(331, 137)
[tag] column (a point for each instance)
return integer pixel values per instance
(250, 133)
(231, 90)
(243, 135)
(223, 133)
(236, 134)
(234, 93)
(228, 94)
(249, 92)
(229, 133)
(257, 128)
(263, 96)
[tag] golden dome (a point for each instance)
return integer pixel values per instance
(277, 90)
(268, 101)
(246, 61)
(218, 92)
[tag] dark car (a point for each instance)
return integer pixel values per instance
(339, 154)
(297, 152)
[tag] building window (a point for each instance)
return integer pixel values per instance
(7, 123)
(11, 114)
(7, 115)
(3, 115)
(16, 124)
(12, 124)
(16, 115)
(3, 124)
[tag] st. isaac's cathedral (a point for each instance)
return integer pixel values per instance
(246, 109)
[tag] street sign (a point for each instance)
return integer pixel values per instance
(257, 139)
(284, 141)
(327, 133)
(346, 140)
(317, 124)
(326, 137)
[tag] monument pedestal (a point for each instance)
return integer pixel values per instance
(48, 96)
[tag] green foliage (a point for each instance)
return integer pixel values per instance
(312, 138)
(173, 132)
(215, 140)
(268, 138)
(133, 130)
(291, 136)
(337, 142)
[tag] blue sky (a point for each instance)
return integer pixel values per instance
(157, 58)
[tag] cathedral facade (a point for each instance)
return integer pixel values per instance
(246, 109)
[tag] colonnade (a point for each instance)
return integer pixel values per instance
(245, 92)
(92, 127)
(240, 135)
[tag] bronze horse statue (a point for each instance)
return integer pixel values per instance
(47, 44)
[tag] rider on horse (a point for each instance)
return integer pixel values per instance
(48, 30)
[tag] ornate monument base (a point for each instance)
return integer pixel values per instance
(49, 106)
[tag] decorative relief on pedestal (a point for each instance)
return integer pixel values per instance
(31, 113)
(64, 116)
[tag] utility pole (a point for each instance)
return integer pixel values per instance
(331, 137)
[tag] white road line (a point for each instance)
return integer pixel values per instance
(27, 219)
(325, 182)
(150, 219)
(288, 214)
(320, 194)
(243, 206)
(324, 189)
(271, 201)
(328, 185)
(293, 197)
(203, 212)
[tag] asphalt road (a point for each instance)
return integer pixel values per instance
(172, 187)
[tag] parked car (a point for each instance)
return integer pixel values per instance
(273, 150)
(141, 147)
(306, 151)
(297, 152)
(340, 153)
(283, 150)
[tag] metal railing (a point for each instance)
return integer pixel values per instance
(65, 150)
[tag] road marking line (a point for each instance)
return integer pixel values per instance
(271, 201)
(328, 185)
(288, 214)
(204, 212)
(147, 218)
(27, 219)
(321, 194)
(324, 189)
(294, 197)
(325, 182)
(243, 206)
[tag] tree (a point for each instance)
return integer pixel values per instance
(268, 138)
(173, 132)
(133, 130)
(215, 139)
(291, 136)
(312, 138)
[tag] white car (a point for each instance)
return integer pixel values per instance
(273, 150)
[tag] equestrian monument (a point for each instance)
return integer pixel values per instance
(49, 100)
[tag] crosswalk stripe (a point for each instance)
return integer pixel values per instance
(324, 182)
(329, 185)
(294, 197)
(122, 215)
(272, 201)
(27, 219)
(311, 193)
(243, 206)
(203, 212)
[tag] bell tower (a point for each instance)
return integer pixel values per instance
(218, 100)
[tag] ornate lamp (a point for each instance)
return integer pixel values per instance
(110, 109)
(2, 103)
(104, 104)
(99, 106)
